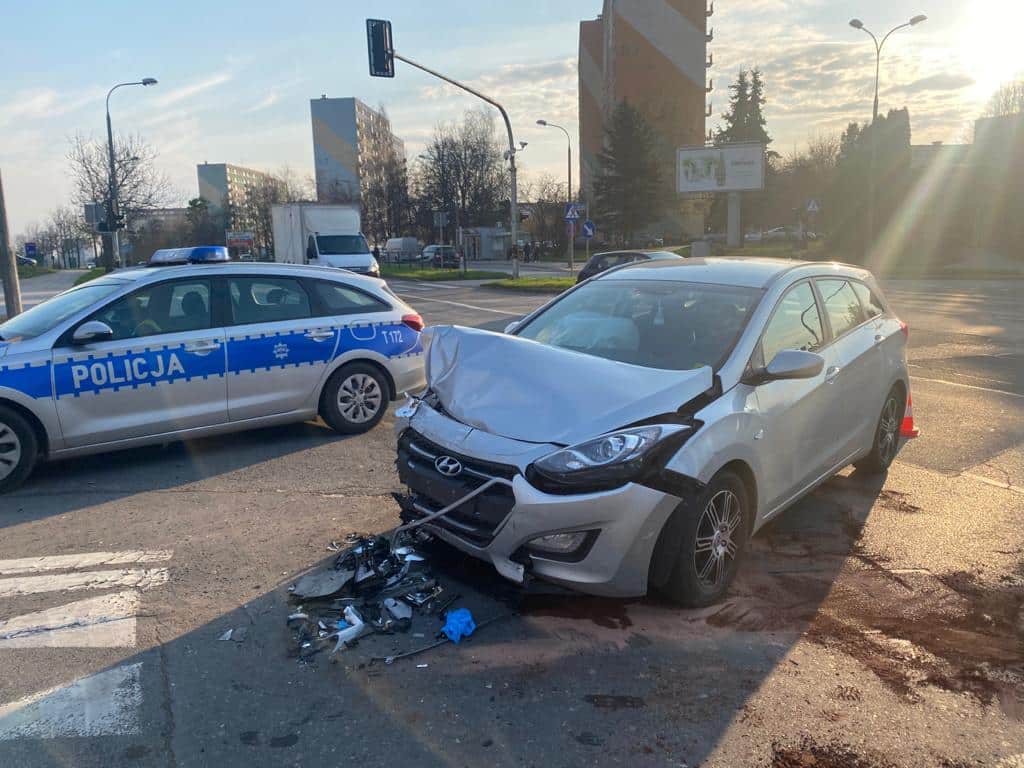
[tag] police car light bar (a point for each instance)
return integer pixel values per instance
(200, 254)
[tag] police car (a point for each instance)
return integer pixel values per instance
(193, 346)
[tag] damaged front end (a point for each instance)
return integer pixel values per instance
(527, 472)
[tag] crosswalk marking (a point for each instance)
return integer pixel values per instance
(107, 621)
(81, 560)
(140, 578)
(104, 704)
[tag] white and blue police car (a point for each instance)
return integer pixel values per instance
(195, 345)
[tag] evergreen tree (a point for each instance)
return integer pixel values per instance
(629, 191)
(736, 116)
(755, 128)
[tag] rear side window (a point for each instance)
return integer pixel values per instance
(841, 305)
(267, 300)
(869, 302)
(338, 299)
(795, 324)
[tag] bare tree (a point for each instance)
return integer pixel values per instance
(1007, 100)
(141, 186)
(546, 197)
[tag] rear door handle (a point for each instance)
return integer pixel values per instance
(879, 338)
(831, 372)
(320, 335)
(200, 347)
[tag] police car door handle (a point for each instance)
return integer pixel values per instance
(320, 335)
(202, 346)
(831, 373)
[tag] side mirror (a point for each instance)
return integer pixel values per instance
(511, 327)
(794, 364)
(91, 332)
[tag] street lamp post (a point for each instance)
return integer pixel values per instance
(858, 24)
(112, 209)
(572, 226)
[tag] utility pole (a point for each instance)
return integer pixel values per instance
(8, 263)
(572, 225)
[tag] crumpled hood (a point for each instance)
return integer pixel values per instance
(524, 390)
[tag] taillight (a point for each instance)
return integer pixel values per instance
(906, 329)
(414, 321)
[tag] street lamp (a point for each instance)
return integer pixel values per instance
(568, 139)
(858, 24)
(112, 212)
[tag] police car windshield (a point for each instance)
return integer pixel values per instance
(341, 245)
(51, 313)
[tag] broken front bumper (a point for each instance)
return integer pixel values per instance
(499, 523)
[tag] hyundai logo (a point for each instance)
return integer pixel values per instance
(448, 466)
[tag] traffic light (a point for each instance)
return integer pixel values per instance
(381, 48)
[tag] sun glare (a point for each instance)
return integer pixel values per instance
(990, 45)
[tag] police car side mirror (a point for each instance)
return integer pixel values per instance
(92, 331)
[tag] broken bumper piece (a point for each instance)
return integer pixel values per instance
(600, 543)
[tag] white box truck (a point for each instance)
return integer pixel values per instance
(321, 234)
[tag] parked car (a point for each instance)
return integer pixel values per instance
(402, 249)
(599, 262)
(156, 354)
(442, 256)
(635, 431)
(25, 261)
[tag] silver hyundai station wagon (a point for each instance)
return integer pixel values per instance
(634, 432)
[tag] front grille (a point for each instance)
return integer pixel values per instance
(477, 519)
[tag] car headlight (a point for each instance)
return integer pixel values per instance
(607, 461)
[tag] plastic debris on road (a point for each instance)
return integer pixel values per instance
(458, 624)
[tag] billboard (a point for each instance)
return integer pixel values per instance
(728, 168)
(243, 240)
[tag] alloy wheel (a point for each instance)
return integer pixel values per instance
(888, 431)
(10, 450)
(359, 398)
(716, 543)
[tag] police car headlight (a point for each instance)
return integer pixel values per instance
(374, 267)
(607, 461)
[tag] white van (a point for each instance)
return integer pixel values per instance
(402, 249)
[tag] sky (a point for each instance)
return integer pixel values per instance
(235, 78)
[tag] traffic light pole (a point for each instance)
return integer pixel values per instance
(513, 203)
(8, 264)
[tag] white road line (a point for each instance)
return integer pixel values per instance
(107, 621)
(60, 582)
(965, 386)
(82, 560)
(467, 306)
(104, 704)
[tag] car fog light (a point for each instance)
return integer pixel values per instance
(560, 543)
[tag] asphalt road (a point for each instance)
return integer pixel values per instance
(873, 622)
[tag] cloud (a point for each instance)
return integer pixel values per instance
(267, 101)
(193, 89)
(941, 82)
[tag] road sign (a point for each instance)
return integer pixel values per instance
(30, 250)
(440, 218)
(381, 48)
(588, 228)
(572, 212)
(813, 206)
(95, 213)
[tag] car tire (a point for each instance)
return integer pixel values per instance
(19, 449)
(354, 399)
(708, 540)
(886, 442)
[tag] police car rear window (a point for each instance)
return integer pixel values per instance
(267, 300)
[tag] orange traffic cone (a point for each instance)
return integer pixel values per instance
(907, 429)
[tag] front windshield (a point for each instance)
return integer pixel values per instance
(341, 245)
(669, 325)
(48, 315)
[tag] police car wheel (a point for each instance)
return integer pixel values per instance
(354, 399)
(19, 449)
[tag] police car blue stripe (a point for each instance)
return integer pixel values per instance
(30, 380)
(134, 369)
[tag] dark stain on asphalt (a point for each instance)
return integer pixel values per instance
(249, 738)
(809, 754)
(289, 740)
(589, 739)
(897, 501)
(605, 612)
(637, 641)
(610, 701)
(135, 752)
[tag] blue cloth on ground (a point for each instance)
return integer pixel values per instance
(458, 624)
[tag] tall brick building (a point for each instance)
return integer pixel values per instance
(653, 54)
